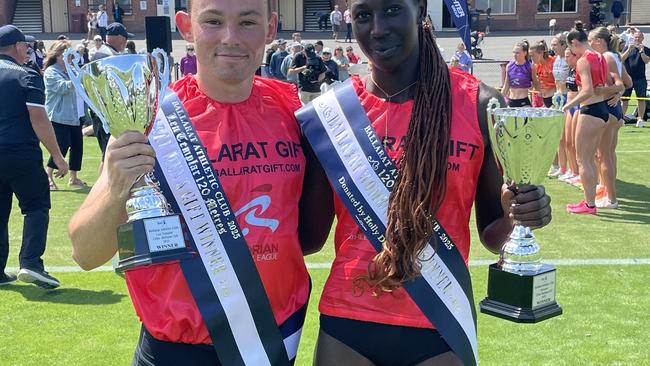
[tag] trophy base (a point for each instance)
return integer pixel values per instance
(521, 297)
(151, 241)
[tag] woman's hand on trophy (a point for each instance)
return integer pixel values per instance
(527, 205)
(128, 158)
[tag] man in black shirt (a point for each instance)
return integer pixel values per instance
(311, 72)
(635, 56)
(23, 124)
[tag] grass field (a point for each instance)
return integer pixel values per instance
(90, 319)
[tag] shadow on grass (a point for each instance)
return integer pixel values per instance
(71, 296)
(634, 201)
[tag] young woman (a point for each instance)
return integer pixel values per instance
(560, 74)
(571, 120)
(543, 66)
(342, 62)
(59, 98)
(421, 111)
(592, 72)
(603, 42)
(519, 77)
(91, 22)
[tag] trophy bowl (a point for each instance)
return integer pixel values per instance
(124, 91)
(524, 142)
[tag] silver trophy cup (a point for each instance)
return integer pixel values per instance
(124, 92)
(524, 141)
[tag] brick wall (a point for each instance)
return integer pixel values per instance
(134, 23)
(527, 17)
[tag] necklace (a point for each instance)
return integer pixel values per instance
(388, 98)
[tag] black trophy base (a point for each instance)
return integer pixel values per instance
(151, 241)
(521, 298)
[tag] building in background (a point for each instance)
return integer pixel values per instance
(60, 16)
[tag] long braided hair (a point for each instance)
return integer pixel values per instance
(423, 172)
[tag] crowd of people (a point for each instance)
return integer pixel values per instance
(595, 73)
(59, 118)
(313, 68)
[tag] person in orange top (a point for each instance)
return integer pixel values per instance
(432, 121)
(543, 65)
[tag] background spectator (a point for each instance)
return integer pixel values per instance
(40, 52)
(635, 56)
(276, 60)
(59, 97)
(102, 21)
(296, 48)
(188, 62)
(330, 64)
(335, 18)
(23, 126)
(464, 59)
(347, 17)
(118, 12)
(130, 48)
(342, 62)
(311, 72)
(97, 44)
(349, 52)
(91, 23)
(617, 9)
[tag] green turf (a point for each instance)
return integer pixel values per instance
(90, 320)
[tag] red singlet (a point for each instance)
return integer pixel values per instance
(255, 149)
(354, 252)
(598, 67)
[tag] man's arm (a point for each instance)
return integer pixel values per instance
(295, 67)
(45, 132)
(93, 228)
(626, 53)
(497, 207)
(644, 52)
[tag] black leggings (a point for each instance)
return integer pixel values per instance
(383, 344)
(516, 103)
(598, 110)
(69, 137)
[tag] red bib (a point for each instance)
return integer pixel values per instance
(354, 252)
(255, 149)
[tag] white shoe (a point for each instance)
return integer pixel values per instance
(41, 279)
(605, 203)
(554, 171)
(566, 176)
(640, 123)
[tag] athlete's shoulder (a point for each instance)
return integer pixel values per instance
(280, 92)
(186, 87)
(463, 81)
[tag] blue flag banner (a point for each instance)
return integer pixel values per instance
(459, 13)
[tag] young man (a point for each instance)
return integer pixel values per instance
(102, 21)
(23, 126)
(635, 57)
(335, 18)
(247, 126)
(310, 69)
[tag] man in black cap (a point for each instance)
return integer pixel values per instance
(116, 36)
(23, 124)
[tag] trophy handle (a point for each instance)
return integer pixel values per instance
(162, 61)
(71, 60)
(558, 101)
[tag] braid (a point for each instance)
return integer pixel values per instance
(423, 172)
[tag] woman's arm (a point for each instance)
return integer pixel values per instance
(586, 89)
(55, 83)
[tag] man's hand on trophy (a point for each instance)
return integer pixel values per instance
(527, 205)
(128, 158)
(61, 165)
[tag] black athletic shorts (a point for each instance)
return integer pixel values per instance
(598, 110)
(383, 344)
(516, 103)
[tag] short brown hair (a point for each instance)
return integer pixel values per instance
(270, 6)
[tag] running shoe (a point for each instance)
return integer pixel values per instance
(581, 209)
(606, 203)
(554, 172)
(576, 182)
(41, 279)
(640, 123)
(6, 279)
(564, 177)
(574, 205)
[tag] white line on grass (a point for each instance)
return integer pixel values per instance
(473, 263)
(633, 151)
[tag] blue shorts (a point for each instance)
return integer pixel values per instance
(616, 111)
